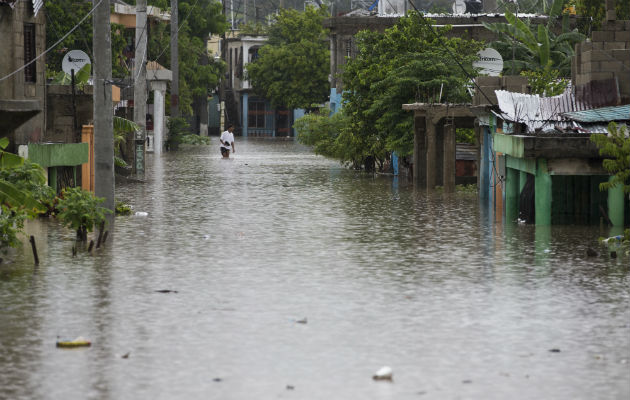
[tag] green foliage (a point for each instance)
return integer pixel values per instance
(195, 139)
(63, 15)
(122, 208)
(536, 48)
(22, 188)
(80, 78)
(616, 145)
(177, 128)
(292, 68)
(546, 82)
(465, 135)
(11, 223)
(195, 76)
(324, 133)
(405, 64)
(29, 178)
(79, 209)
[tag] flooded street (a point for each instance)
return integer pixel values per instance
(459, 307)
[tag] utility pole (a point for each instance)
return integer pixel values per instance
(103, 106)
(140, 85)
(174, 61)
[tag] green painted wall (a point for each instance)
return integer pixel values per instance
(543, 193)
(58, 154)
(510, 145)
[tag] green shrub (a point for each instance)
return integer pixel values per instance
(79, 209)
(11, 223)
(123, 208)
(177, 127)
(195, 139)
(29, 177)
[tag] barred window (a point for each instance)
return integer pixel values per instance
(256, 114)
(30, 73)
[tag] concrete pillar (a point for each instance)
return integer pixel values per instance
(484, 164)
(431, 153)
(420, 152)
(140, 85)
(542, 197)
(159, 89)
(616, 204)
(245, 108)
(512, 191)
(448, 168)
(103, 107)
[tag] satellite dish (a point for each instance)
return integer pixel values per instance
(459, 7)
(74, 60)
(489, 62)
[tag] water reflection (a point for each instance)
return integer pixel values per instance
(386, 274)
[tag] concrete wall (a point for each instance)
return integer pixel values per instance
(488, 84)
(59, 115)
(12, 57)
(605, 56)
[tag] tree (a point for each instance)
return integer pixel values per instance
(616, 145)
(292, 68)
(536, 49)
(407, 63)
(197, 20)
(61, 17)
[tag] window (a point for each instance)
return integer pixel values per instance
(256, 114)
(30, 73)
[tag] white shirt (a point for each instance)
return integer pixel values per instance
(227, 137)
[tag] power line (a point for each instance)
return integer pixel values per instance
(54, 45)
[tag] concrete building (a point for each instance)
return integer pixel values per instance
(537, 161)
(22, 89)
(251, 114)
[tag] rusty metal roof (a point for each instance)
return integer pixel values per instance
(605, 114)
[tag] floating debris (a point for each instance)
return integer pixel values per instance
(383, 374)
(78, 342)
(290, 387)
(141, 214)
(166, 291)
(302, 321)
(126, 355)
(217, 379)
(467, 381)
(554, 350)
(591, 253)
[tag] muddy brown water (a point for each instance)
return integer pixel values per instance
(457, 306)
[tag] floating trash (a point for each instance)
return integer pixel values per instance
(78, 342)
(141, 214)
(383, 374)
(302, 321)
(166, 291)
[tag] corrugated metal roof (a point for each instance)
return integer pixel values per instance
(534, 111)
(604, 114)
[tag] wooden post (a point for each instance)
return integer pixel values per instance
(87, 169)
(32, 240)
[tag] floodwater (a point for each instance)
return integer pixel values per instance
(457, 306)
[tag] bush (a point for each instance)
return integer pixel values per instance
(195, 139)
(29, 177)
(79, 209)
(11, 223)
(123, 208)
(177, 128)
